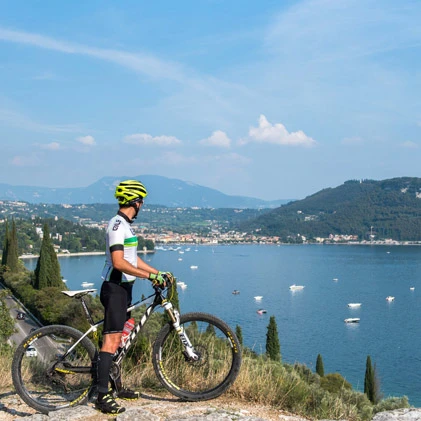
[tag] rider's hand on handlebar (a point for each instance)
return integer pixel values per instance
(161, 279)
(169, 277)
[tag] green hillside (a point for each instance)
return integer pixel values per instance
(387, 209)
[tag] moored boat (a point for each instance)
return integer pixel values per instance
(294, 287)
(352, 320)
(87, 284)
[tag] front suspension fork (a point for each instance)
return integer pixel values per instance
(174, 315)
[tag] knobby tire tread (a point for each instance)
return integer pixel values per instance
(227, 381)
(20, 352)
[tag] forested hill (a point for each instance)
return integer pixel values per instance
(391, 207)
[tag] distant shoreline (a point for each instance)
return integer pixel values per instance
(349, 243)
(82, 253)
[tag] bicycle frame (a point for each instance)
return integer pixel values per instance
(159, 300)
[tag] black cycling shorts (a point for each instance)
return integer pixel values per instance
(115, 298)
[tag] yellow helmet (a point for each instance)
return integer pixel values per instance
(129, 191)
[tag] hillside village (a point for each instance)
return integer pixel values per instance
(216, 232)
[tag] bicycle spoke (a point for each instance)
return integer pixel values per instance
(211, 371)
(46, 377)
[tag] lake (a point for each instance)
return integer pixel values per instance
(310, 321)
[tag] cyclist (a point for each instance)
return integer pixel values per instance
(122, 267)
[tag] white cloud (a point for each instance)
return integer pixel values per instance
(16, 119)
(52, 146)
(276, 134)
(410, 145)
(138, 62)
(25, 161)
(218, 138)
(148, 140)
(86, 140)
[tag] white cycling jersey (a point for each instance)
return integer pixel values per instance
(120, 236)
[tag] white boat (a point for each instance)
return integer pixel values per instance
(354, 305)
(87, 284)
(335, 279)
(258, 297)
(193, 267)
(180, 259)
(412, 288)
(261, 311)
(352, 320)
(236, 292)
(390, 298)
(296, 287)
(181, 284)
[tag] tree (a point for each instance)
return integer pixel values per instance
(7, 324)
(371, 382)
(273, 347)
(12, 259)
(369, 379)
(47, 272)
(334, 383)
(320, 370)
(239, 334)
(5, 241)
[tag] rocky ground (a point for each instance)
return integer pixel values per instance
(149, 408)
(158, 408)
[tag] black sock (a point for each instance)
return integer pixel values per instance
(105, 360)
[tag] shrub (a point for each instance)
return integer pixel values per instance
(334, 383)
(391, 403)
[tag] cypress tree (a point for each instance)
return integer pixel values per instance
(175, 301)
(320, 370)
(47, 272)
(12, 260)
(273, 347)
(7, 324)
(239, 334)
(369, 380)
(5, 243)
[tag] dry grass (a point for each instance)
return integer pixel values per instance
(5, 370)
(266, 383)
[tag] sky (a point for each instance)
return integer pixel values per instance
(268, 99)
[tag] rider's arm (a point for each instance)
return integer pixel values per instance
(120, 263)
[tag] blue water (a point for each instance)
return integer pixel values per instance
(310, 321)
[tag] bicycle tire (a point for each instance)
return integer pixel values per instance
(215, 371)
(46, 381)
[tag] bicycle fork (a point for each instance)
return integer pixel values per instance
(189, 352)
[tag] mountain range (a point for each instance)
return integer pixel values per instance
(364, 208)
(161, 191)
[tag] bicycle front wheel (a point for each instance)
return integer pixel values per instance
(212, 373)
(45, 377)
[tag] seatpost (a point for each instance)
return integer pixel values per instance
(87, 313)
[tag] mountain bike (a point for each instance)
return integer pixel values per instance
(196, 356)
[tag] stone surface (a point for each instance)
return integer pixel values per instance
(409, 414)
(154, 408)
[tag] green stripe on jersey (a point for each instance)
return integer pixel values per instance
(130, 242)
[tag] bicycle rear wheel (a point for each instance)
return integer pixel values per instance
(44, 378)
(219, 358)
